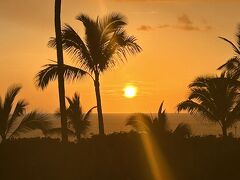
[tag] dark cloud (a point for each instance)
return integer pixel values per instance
(145, 28)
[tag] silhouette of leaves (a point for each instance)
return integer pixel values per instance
(51, 71)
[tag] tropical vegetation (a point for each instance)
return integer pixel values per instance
(106, 43)
(215, 97)
(157, 126)
(13, 117)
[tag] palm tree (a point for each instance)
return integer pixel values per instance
(60, 72)
(216, 98)
(233, 65)
(14, 121)
(158, 126)
(106, 42)
(78, 122)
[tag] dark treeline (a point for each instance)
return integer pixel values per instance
(119, 156)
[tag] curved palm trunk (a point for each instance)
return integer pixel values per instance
(99, 106)
(61, 88)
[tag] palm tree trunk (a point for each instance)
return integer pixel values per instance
(61, 88)
(224, 131)
(78, 137)
(99, 106)
(4, 138)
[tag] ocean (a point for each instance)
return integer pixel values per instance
(115, 122)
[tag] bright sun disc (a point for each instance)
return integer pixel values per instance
(130, 91)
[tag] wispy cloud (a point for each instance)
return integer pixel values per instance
(145, 28)
(163, 26)
(184, 22)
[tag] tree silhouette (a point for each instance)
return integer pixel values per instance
(105, 43)
(216, 98)
(78, 121)
(158, 125)
(233, 65)
(14, 121)
(60, 71)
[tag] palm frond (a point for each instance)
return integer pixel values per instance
(50, 73)
(140, 122)
(74, 45)
(31, 121)
(193, 107)
(110, 24)
(93, 36)
(18, 111)
(118, 47)
(9, 99)
(87, 115)
(235, 48)
(231, 64)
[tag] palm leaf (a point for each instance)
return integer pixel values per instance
(235, 48)
(231, 64)
(140, 122)
(87, 115)
(9, 99)
(194, 107)
(19, 111)
(50, 73)
(31, 121)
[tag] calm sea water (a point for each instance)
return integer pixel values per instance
(200, 126)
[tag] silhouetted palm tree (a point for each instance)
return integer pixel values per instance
(14, 120)
(60, 72)
(158, 125)
(233, 65)
(216, 98)
(78, 122)
(106, 42)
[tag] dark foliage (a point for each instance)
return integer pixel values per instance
(119, 156)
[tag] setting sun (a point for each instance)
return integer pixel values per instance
(130, 91)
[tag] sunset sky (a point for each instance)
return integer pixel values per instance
(178, 37)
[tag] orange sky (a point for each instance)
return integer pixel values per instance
(178, 37)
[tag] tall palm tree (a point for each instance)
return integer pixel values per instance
(215, 97)
(105, 43)
(14, 120)
(158, 125)
(233, 65)
(59, 70)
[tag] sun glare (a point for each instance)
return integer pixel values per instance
(130, 91)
